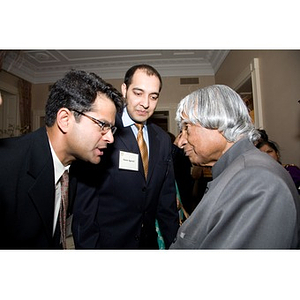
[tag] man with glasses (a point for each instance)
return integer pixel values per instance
(119, 202)
(35, 192)
(104, 127)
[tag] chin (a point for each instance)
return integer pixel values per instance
(141, 117)
(95, 161)
(98, 161)
(140, 120)
(196, 162)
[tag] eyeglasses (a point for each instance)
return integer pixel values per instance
(105, 127)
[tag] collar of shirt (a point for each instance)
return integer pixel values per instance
(237, 149)
(59, 168)
(127, 121)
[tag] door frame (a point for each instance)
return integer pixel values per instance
(252, 72)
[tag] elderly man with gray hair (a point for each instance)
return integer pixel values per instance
(251, 203)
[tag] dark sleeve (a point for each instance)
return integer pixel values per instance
(167, 214)
(183, 177)
(295, 173)
(84, 227)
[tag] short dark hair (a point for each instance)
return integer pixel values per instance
(272, 144)
(263, 135)
(78, 90)
(147, 68)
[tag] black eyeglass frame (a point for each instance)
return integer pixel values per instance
(105, 127)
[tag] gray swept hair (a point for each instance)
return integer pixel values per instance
(218, 107)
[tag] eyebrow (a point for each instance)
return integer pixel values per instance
(99, 119)
(105, 121)
(186, 121)
(141, 90)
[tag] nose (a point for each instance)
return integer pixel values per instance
(108, 137)
(182, 139)
(145, 101)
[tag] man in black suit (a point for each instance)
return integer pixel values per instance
(117, 204)
(80, 117)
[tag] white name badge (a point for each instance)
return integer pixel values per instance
(128, 161)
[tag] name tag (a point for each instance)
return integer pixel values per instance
(128, 161)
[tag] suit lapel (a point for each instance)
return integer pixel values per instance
(154, 145)
(125, 138)
(126, 141)
(41, 170)
(42, 195)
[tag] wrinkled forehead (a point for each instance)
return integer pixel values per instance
(188, 114)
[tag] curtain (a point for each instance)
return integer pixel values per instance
(25, 105)
(2, 55)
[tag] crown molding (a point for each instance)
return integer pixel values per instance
(116, 69)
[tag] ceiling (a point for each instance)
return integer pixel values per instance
(46, 66)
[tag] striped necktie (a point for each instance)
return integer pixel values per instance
(64, 180)
(143, 147)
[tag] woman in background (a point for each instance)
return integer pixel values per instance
(271, 148)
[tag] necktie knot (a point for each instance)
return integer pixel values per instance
(139, 126)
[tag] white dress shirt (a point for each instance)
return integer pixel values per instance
(59, 169)
(127, 121)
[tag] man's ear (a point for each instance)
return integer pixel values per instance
(123, 90)
(63, 119)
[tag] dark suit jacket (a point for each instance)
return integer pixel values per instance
(121, 212)
(27, 192)
(184, 179)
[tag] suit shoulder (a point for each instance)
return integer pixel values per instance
(262, 168)
(158, 129)
(17, 147)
